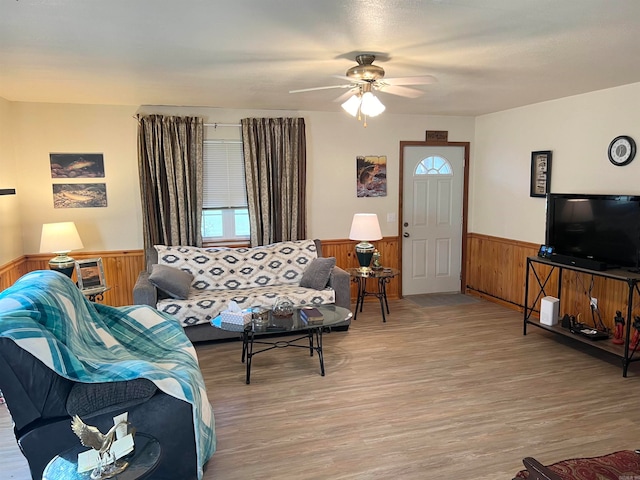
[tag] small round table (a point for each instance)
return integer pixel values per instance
(383, 276)
(96, 294)
(142, 461)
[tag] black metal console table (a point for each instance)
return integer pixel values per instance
(631, 279)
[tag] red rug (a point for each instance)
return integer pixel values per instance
(623, 465)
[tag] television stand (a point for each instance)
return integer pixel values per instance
(631, 279)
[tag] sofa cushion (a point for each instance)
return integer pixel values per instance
(92, 398)
(173, 281)
(204, 305)
(222, 268)
(318, 272)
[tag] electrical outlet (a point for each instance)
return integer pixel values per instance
(594, 302)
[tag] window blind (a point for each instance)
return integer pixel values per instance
(224, 184)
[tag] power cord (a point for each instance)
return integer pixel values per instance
(599, 324)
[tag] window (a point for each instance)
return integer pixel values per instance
(224, 208)
(434, 166)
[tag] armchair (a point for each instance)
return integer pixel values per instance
(61, 355)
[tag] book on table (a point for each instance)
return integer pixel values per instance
(311, 315)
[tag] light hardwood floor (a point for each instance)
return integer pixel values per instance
(435, 393)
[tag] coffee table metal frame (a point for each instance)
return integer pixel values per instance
(279, 325)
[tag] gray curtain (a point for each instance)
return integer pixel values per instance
(170, 151)
(275, 167)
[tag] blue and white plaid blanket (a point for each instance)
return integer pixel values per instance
(47, 315)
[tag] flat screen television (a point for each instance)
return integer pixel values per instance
(605, 228)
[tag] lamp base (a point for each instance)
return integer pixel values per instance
(62, 263)
(364, 253)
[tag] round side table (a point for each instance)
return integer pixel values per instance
(142, 462)
(382, 277)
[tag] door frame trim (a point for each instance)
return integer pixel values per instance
(465, 204)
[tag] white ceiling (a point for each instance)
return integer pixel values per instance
(487, 55)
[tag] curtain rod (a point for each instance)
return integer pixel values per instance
(216, 125)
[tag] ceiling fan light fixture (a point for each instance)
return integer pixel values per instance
(370, 105)
(352, 105)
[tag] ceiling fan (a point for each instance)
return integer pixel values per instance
(366, 78)
(366, 73)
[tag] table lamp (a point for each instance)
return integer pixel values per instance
(365, 228)
(60, 238)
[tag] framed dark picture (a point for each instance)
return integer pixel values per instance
(76, 165)
(90, 273)
(540, 173)
(371, 176)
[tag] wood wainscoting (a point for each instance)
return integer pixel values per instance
(495, 270)
(121, 269)
(12, 271)
(497, 267)
(345, 253)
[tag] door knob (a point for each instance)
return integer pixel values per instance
(405, 234)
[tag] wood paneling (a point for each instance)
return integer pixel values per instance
(121, 269)
(12, 271)
(345, 253)
(497, 268)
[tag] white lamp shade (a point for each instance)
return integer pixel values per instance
(59, 238)
(365, 227)
(371, 106)
(352, 105)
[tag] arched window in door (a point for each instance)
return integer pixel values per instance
(434, 165)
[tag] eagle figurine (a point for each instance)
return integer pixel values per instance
(92, 437)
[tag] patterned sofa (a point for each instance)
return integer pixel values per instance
(195, 284)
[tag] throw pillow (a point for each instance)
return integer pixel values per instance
(92, 398)
(318, 272)
(174, 281)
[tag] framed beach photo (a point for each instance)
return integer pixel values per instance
(90, 274)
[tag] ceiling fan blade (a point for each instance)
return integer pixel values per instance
(421, 80)
(401, 91)
(354, 81)
(319, 88)
(344, 96)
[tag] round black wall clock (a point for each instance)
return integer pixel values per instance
(621, 151)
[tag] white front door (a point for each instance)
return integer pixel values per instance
(433, 190)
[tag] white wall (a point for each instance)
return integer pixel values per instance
(41, 129)
(10, 231)
(333, 142)
(577, 130)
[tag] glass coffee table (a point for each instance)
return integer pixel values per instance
(252, 334)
